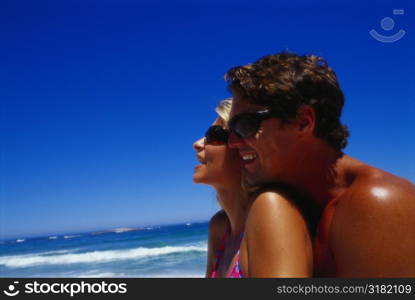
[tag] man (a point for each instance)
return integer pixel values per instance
(285, 122)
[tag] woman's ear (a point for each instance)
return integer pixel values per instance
(306, 119)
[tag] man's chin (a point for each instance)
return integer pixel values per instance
(251, 179)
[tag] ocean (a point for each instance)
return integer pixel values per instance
(155, 251)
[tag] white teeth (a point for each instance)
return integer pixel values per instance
(248, 156)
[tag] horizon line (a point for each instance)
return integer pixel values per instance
(32, 236)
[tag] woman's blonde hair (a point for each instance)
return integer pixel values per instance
(224, 109)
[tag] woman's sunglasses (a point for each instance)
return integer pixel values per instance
(247, 124)
(216, 135)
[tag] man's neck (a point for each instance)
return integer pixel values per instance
(320, 175)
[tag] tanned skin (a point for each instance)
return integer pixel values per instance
(275, 242)
(367, 223)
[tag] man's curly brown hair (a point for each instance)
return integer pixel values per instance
(283, 82)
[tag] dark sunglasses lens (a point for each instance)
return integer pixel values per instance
(246, 126)
(216, 134)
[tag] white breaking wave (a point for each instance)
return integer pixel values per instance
(171, 274)
(21, 261)
(71, 236)
(100, 275)
(156, 275)
(123, 229)
(53, 252)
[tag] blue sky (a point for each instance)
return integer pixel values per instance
(101, 100)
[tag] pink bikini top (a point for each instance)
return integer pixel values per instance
(236, 269)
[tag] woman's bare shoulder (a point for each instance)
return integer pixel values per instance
(271, 203)
(277, 237)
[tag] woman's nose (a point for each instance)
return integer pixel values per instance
(198, 145)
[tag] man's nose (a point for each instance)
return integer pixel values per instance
(198, 145)
(234, 141)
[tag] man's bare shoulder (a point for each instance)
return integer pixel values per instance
(376, 212)
(376, 189)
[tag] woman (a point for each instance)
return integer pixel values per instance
(257, 234)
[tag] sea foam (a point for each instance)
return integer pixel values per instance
(21, 261)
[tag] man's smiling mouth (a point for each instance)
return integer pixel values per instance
(248, 157)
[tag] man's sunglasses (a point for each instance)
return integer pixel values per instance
(216, 135)
(247, 124)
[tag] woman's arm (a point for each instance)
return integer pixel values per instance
(278, 241)
(217, 226)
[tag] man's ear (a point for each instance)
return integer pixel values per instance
(306, 119)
